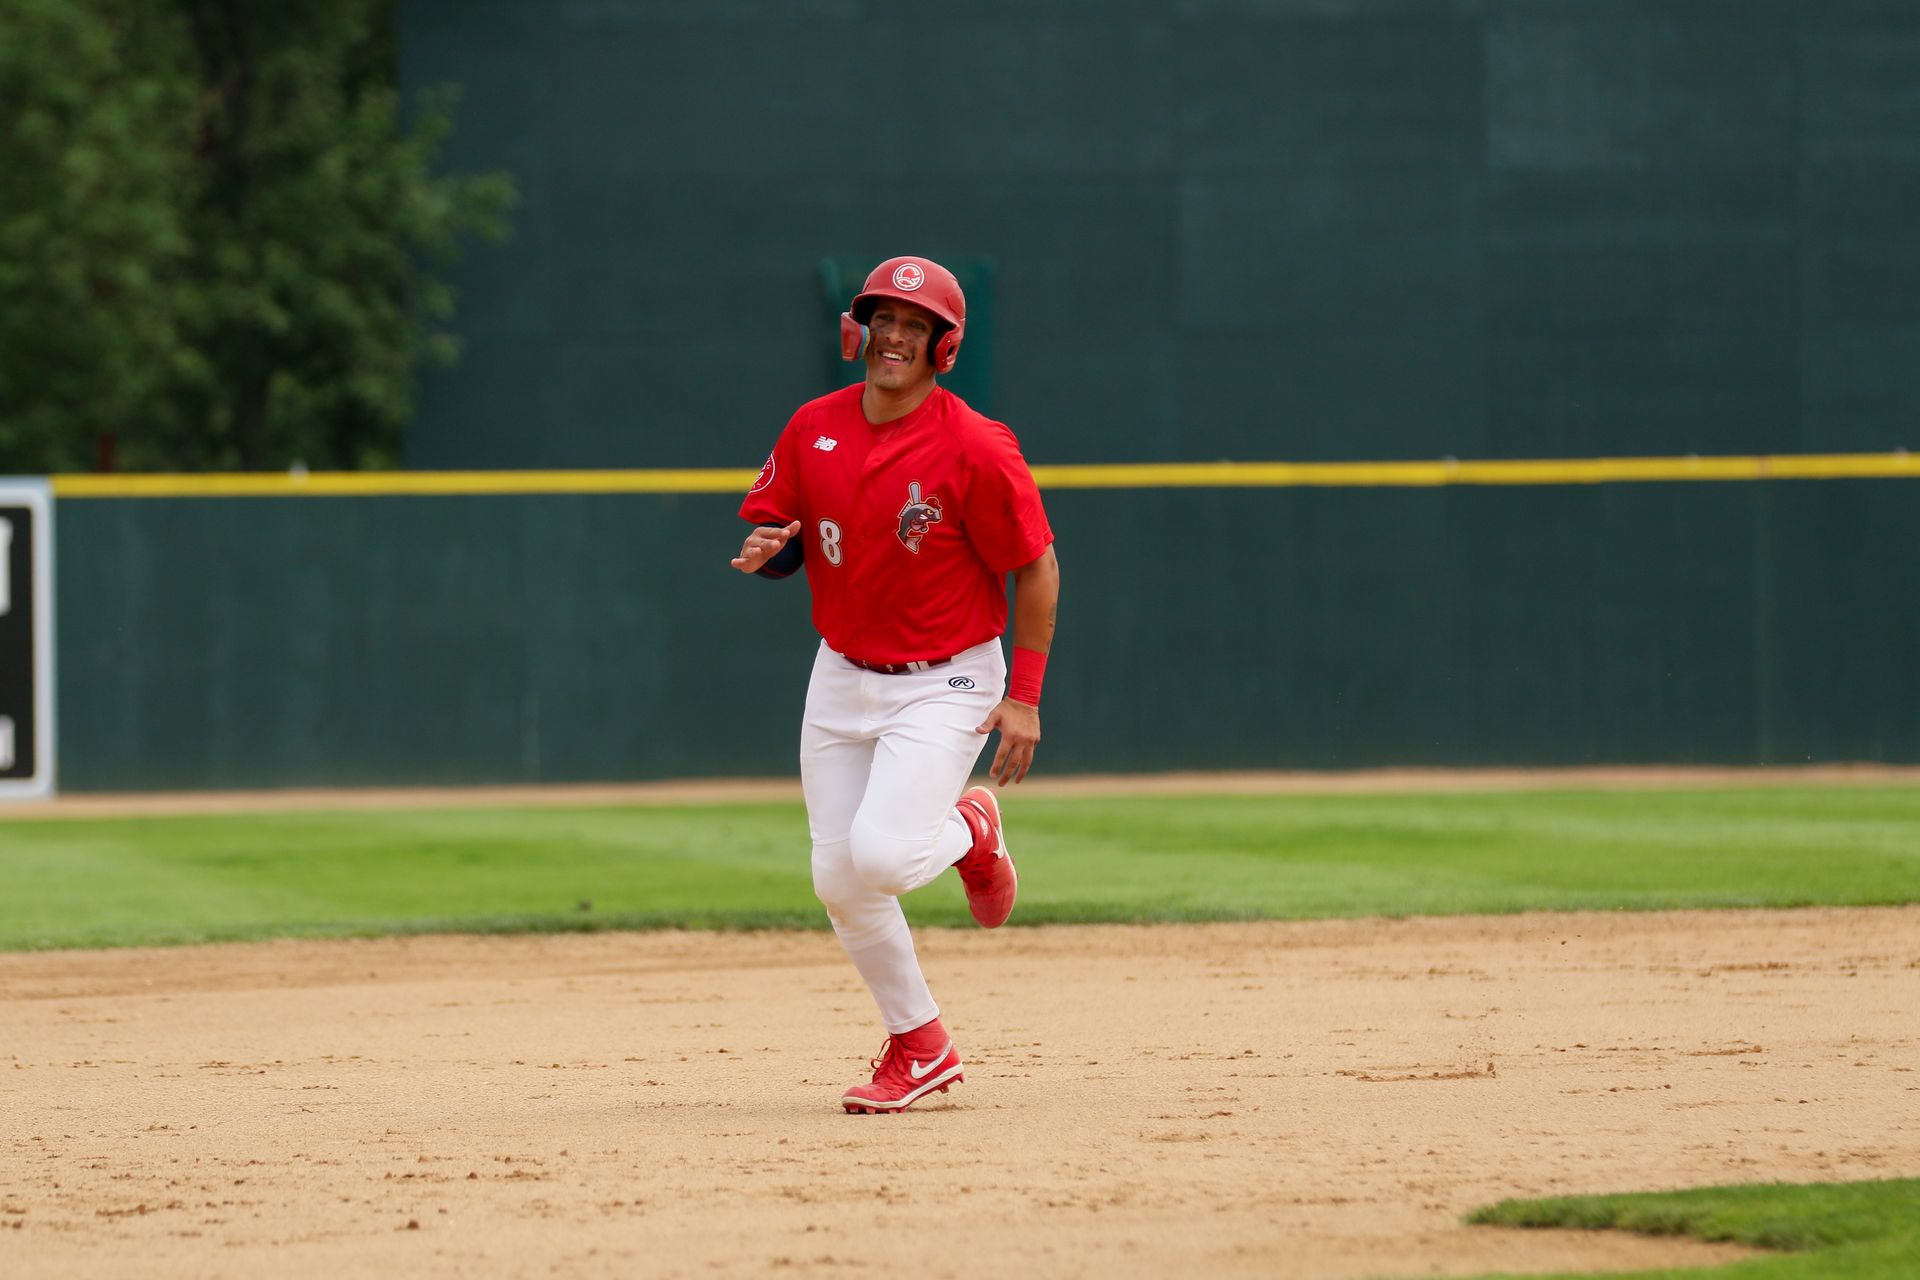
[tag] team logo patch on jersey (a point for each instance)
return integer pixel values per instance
(766, 476)
(918, 517)
(908, 276)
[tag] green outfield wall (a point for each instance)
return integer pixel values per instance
(465, 637)
(1303, 229)
(1282, 232)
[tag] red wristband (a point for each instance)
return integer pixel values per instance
(1029, 670)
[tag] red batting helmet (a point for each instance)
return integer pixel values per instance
(917, 280)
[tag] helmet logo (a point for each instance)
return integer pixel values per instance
(908, 276)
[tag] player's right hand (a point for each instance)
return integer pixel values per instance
(762, 545)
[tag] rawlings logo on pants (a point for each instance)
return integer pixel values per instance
(918, 517)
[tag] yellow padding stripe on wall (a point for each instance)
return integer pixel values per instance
(336, 484)
(1144, 475)
(1238, 475)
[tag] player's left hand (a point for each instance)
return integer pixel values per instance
(1019, 726)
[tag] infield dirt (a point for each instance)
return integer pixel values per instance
(1305, 1100)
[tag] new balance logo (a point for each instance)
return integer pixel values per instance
(825, 444)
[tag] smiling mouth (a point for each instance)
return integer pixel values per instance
(895, 357)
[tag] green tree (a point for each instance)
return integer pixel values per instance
(287, 277)
(93, 238)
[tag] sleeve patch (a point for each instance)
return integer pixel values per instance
(766, 476)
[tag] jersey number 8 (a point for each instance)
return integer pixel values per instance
(830, 541)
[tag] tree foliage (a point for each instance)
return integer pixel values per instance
(221, 244)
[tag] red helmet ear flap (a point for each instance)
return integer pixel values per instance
(853, 337)
(945, 350)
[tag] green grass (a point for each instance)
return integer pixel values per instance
(130, 881)
(1827, 1231)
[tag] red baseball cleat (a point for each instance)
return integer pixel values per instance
(987, 868)
(909, 1067)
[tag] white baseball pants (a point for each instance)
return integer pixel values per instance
(882, 759)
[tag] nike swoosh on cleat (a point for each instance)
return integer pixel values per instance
(919, 1072)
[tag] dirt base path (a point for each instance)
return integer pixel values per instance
(1309, 1100)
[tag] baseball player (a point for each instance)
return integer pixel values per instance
(908, 510)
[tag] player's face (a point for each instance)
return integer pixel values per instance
(897, 341)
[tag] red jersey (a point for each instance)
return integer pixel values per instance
(910, 527)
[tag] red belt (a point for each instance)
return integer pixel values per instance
(898, 668)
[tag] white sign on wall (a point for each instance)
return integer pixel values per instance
(26, 639)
